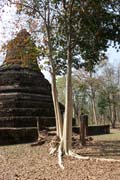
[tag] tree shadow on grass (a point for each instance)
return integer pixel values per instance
(105, 149)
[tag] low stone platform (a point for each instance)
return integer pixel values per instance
(17, 135)
(94, 130)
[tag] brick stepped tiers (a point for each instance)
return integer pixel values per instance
(25, 97)
(17, 135)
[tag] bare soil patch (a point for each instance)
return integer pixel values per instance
(24, 162)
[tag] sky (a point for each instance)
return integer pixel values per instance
(8, 26)
(7, 16)
(113, 56)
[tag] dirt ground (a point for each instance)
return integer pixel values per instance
(24, 162)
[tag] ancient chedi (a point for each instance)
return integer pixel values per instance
(25, 95)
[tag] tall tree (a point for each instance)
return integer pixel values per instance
(111, 92)
(85, 36)
(78, 28)
(44, 21)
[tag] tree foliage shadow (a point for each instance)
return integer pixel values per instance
(110, 149)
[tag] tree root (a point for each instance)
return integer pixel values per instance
(70, 153)
(56, 146)
(60, 155)
(105, 159)
(52, 151)
(92, 158)
(42, 138)
(39, 142)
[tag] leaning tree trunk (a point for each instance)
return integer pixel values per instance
(93, 105)
(58, 115)
(94, 111)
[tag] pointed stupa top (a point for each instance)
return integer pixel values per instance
(22, 51)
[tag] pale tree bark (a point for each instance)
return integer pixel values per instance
(94, 111)
(67, 130)
(58, 115)
(93, 101)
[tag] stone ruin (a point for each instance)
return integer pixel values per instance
(25, 95)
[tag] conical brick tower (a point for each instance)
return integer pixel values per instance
(25, 95)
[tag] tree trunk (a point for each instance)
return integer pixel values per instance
(94, 111)
(76, 113)
(113, 116)
(67, 130)
(58, 115)
(67, 134)
(110, 109)
(93, 101)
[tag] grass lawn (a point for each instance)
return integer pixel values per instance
(113, 136)
(107, 145)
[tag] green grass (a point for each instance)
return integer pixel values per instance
(113, 136)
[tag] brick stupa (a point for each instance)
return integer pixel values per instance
(25, 95)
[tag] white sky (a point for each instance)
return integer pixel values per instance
(114, 57)
(6, 25)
